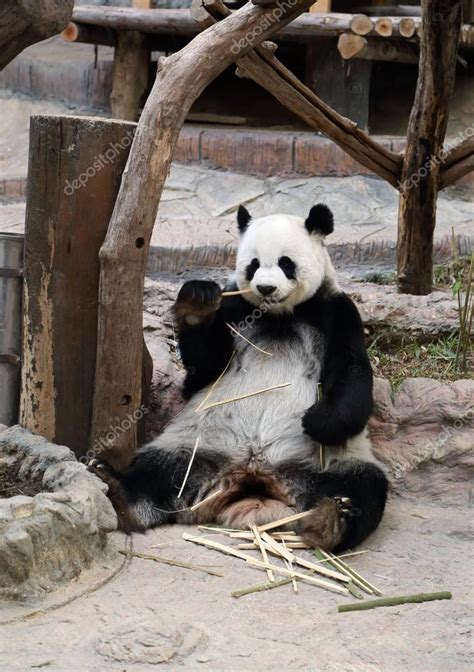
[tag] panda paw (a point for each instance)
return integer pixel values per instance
(327, 523)
(197, 301)
(103, 471)
(323, 425)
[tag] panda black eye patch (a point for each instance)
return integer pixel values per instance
(288, 267)
(251, 269)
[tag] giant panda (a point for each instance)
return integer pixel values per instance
(262, 453)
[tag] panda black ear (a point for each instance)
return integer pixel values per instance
(243, 218)
(320, 220)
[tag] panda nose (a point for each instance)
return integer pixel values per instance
(266, 290)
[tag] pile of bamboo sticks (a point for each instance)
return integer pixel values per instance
(332, 572)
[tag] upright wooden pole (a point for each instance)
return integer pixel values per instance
(130, 75)
(420, 181)
(74, 175)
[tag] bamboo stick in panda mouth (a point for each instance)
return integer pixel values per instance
(237, 292)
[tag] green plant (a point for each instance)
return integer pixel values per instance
(462, 289)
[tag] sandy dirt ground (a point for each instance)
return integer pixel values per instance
(137, 614)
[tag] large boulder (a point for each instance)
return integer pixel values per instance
(50, 537)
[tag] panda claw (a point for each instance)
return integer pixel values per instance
(346, 508)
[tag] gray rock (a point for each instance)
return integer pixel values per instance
(424, 434)
(52, 536)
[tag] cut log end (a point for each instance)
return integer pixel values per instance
(361, 24)
(350, 45)
(407, 27)
(384, 27)
(71, 33)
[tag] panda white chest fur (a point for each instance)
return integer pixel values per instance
(264, 428)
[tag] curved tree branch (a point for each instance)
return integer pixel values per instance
(181, 78)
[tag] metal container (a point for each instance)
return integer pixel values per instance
(11, 265)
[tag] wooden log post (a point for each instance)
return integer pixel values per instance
(181, 78)
(23, 23)
(342, 85)
(130, 75)
(74, 174)
(421, 180)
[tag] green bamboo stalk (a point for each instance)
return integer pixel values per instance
(350, 586)
(394, 601)
(260, 587)
(173, 563)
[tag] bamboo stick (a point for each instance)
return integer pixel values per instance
(289, 565)
(350, 586)
(395, 601)
(265, 352)
(335, 588)
(168, 561)
(278, 548)
(189, 468)
(237, 292)
(260, 587)
(201, 541)
(294, 546)
(284, 521)
(215, 383)
(205, 500)
(356, 577)
(243, 396)
(263, 550)
(340, 567)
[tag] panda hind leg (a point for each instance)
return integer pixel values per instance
(347, 501)
(146, 495)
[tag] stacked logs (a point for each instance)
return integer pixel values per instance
(99, 25)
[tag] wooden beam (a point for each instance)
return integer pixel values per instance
(23, 23)
(90, 34)
(130, 75)
(373, 49)
(179, 22)
(426, 131)
(457, 162)
(180, 80)
(74, 173)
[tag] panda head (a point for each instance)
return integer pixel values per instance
(283, 258)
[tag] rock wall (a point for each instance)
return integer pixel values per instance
(424, 433)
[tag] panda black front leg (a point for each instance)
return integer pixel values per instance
(205, 342)
(348, 501)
